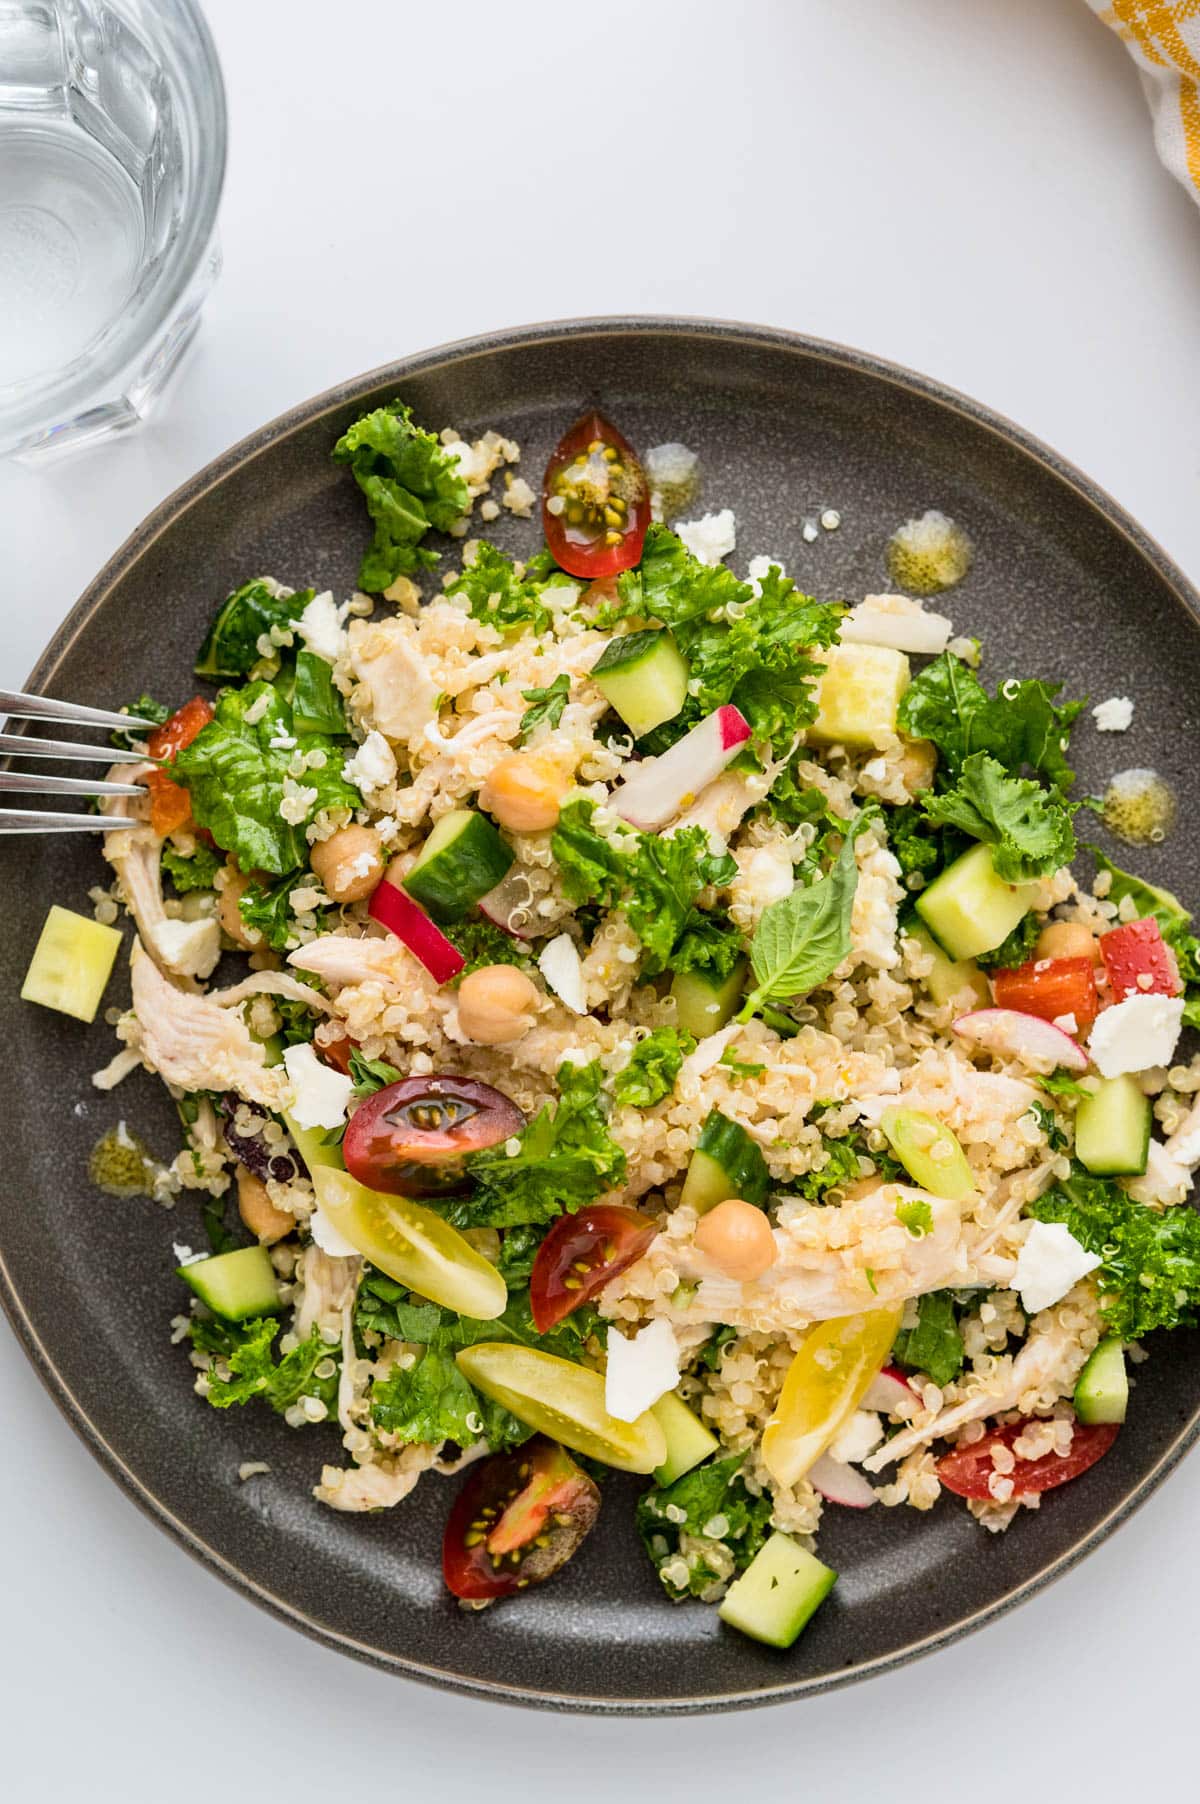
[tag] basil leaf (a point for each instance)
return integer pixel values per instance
(805, 936)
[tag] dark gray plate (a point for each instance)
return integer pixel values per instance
(1064, 586)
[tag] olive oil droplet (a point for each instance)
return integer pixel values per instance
(928, 555)
(1139, 807)
(120, 1164)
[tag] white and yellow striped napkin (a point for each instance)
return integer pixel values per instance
(1163, 37)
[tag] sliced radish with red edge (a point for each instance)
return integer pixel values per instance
(839, 1483)
(660, 788)
(396, 911)
(886, 1391)
(1038, 1044)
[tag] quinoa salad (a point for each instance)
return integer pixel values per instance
(627, 1014)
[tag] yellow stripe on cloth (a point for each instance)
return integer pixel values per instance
(1164, 39)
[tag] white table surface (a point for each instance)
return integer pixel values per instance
(970, 189)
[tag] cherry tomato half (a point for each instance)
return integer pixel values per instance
(170, 803)
(1050, 987)
(595, 500)
(336, 1052)
(1138, 960)
(518, 1518)
(411, 1137)
(580, 1254)
(968, 1470)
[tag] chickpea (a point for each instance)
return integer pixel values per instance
(228, 913)
(918, 761)
(258, 1212)
(496, 1004)
(349, 864)
(737, 1237)
(524, 792)
(1066, 939)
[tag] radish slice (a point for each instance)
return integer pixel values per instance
(839, 1483)
(902, 629)
(396, 911)
(1038, 1044)
(507, 906)
(660, 788)
(887, 1389)
(559, 964)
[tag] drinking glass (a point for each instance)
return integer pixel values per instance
(112, 154)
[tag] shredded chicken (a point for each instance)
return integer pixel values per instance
(184, 948)
(1051, 1357)
(398, 695)
(376, 1487)
(194, 1043)
(273, 983)
(327, 1286)
(344, 958)
(721, 807)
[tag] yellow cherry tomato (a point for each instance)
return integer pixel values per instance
(562, 1400)
(412, 1244)
(824, 1387)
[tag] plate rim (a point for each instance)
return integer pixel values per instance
(187, 494)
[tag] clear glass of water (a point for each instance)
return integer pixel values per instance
(112, 155)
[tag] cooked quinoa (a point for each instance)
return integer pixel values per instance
(746, 947)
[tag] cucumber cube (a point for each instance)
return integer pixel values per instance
(969, 910)
(1112, 1128)
(726, 1162)
(644, 676)
(688, 1440)
(702, 1003)
(858, 695)
(778, 1592)
(957, 980)
(235, 1285)
(71, 964)
(1102, 1393)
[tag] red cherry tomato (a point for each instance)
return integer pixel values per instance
(967, 1470)
(595, 500)
(170, 803)
(1050, 987)
(518, 1518)
(580, 1254)
(1138, 960)
(412, 1137)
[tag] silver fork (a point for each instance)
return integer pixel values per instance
(21, 745)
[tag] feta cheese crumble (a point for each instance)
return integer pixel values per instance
(328, 1237)
(560, 965)
(320, 627)
(373, 765)
(641, 1370)
(1135, 1034)
(711, 538)
(1114, 715)
(1049, 1263)
(321, 1095)
(861, 1435)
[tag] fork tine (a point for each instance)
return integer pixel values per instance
(28, 783)
(36, 820)
(21, 745)
(42, 707)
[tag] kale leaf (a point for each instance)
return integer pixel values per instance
(565, 1158)
(935, 1345)
(230, 647)
(481, 942)
(841, 1166)
(1028, 827)
(267, 909)
(593, 867)
(709, 1504)
(246, 1349)
(651, 1072)
(237, 773)
(144, 708)
(197, 871)
(546, 705)
(496, 594)
(410, 483)
(1149, 1274)
(1021, 726)
(1016, 948)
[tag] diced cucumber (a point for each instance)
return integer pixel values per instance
(645, 677)
(235, 1285)
(463, 858)
(704, 1002)
(311, 1143)
(1112, 1128)
(858, 695)
(780, 1589)
(929, 1153)
(71, 964)
(969, 910)
(951, 979)
(688, 1440)
(726, 1162)
(1102, 1393)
